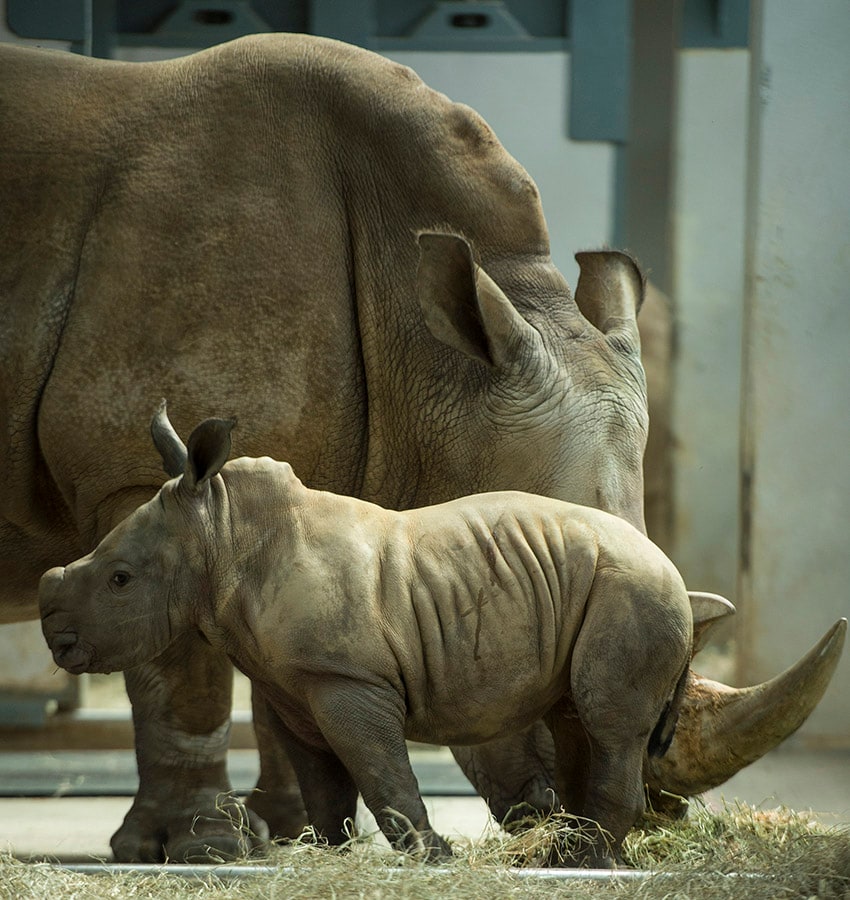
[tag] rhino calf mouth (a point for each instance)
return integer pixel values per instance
(70, 653)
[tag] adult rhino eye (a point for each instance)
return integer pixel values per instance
(120, 579)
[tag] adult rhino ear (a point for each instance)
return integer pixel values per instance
(209, 447)
(610, 293)
(167, 442)
(463, 307)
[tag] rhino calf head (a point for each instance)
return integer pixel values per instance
(127, 600)
(89, 607)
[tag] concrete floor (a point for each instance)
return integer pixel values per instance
(78, 828)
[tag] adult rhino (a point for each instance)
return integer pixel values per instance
(301, 231)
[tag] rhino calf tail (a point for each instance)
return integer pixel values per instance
(662, 734)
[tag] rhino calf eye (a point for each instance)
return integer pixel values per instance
(120, 579)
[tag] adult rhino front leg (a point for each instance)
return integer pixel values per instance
(183, 810)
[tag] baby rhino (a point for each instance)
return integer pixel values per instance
(363, 627)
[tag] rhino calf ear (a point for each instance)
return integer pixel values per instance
(167, 442)
(209, 447)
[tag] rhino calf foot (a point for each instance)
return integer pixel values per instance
(218, 828)
(579, 844)
(430, 847)
(595, 861)
(281, 809)
(422, 843)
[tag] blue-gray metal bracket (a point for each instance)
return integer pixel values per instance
(601, 55)
(436, 25)
(486, 25)
(596, 32)
(218, 21)
(600, 60)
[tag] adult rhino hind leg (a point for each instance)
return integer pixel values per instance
(184, 809)
(514, 774)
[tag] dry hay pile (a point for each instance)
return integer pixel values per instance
(738, 853)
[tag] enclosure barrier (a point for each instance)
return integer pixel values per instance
(236, 872)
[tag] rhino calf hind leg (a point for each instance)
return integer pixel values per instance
(626, 663)
(600, 783)
(595, 787)
(613, 804)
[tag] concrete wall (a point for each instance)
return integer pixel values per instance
(796, 568)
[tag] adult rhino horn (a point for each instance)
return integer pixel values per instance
(167, 442)
(722, 729)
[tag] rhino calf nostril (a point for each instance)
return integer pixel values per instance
(65, 639)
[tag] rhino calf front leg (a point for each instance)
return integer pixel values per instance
(277, 797)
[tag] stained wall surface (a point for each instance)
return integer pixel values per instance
(795, 579)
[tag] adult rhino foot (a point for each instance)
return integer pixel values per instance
(215, 827)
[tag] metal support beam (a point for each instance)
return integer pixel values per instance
(354, 21)
(646, 169)
(600, 37)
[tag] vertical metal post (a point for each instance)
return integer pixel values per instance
(646, 169)
(354, 21)
(88, 28)
(600, 53)
(103, 17)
